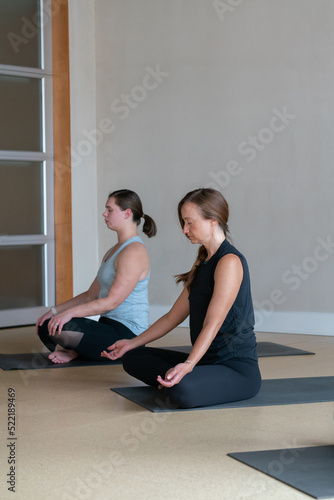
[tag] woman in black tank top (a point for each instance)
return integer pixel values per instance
(222, 365)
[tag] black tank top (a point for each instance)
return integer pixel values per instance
(235, 338)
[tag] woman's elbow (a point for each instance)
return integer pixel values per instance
(172, 319)
(90, 296)
(109, 304)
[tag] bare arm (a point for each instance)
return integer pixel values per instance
(177, 314)
(91, 294)
(132, 263)
(228, 278)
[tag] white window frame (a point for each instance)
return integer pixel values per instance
(27, 316)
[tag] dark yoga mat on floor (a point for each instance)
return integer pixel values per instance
(273, 392)
(310, 470)
(264, 350)
(39, 360)
(30, 361)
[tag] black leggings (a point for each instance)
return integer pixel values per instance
(206, 385)
(95, 336)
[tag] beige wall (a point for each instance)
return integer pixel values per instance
(84, 165)
(235, 95)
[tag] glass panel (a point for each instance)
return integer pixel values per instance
(20, 33)
(20, 113)
(21, 201)
(21, 271)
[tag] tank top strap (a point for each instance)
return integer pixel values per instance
(134, 239)
(125, 244)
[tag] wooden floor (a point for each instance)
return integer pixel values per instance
(76, 439)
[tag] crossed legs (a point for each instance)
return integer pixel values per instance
(206, 385)
(83, 337)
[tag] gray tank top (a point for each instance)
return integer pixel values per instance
(133, 312)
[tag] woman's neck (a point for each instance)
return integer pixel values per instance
(213, 245)
(125, 234)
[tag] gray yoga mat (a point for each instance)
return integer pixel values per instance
(38, 360)
(310, 470)
(264, 349)
(284, 391)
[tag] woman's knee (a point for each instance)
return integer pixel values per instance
(180, 395)
(44, 336)
(130, 361)
(43, 329)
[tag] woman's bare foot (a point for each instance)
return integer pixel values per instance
(63, 356)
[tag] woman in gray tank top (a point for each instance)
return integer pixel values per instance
(119, 293)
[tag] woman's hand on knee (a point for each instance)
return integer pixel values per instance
(42, 319)
(57, 322)
(118, 349)
(174, 375)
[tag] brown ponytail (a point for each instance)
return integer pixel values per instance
(149, 227)
(125, 198)
(188, 277)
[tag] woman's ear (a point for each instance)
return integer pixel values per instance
(127, 213)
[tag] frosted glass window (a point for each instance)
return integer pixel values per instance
(21, 200)
(21, 271)
(20, 33)
(20, 113)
